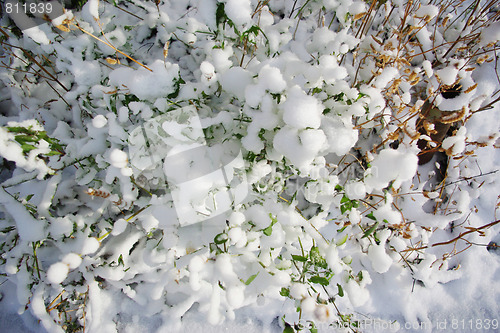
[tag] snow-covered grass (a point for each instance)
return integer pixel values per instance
(307, 165)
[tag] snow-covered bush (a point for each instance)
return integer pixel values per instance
(209, 155)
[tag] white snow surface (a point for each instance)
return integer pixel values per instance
(57, 272)
(391, 165)
(249, 162)
(144, 83)
(301, 110)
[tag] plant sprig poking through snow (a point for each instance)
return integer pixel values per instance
(222, 155)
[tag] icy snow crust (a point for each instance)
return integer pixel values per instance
(257, 162)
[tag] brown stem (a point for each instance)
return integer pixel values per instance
(454, 239)
(114, 48)
(466, 233)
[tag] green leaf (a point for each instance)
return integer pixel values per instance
(285, 292)
(53, 152)
(214, 248)
(340, 290)
(27, 148)
(177, 88)
(251, 278)
(261, 135)
(17, 129)
(220, 13)
(319, 280)
(316, 90)
(347, 260)
(26, 138)
(342, 229)
(288, 328)
(360, 95)
(268, 231)
(312, 327)
(371, 230)
(221, 238)
(130, 98)
(371, 216)
(254, 29)
(299, 258)
(342, 240)
(316, 257)
(112, 104)
(276, 97)
(7, 229)
(43, 135)
(120, 260)
(339, 97)
(344, 199)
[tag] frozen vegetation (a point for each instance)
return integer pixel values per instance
(275, 165)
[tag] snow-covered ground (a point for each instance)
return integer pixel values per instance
(261, 166)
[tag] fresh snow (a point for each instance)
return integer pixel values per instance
(391, 165)
(251, 166)
(301, 110)
(57, 272)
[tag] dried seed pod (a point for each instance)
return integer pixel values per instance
(482, 59)
(415, 108)
(63, 27)
(404, 61)
(377, 40)
(445, 20)
(165, 49)
(395, 85)
(97, 193)
(358, 16)
(112, 61)
(454, 117)
(412, 76)
(413, 134)
(429, 127)
(468, 90)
